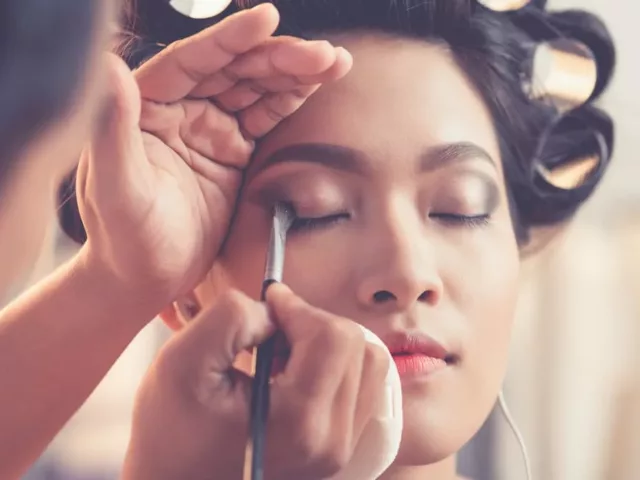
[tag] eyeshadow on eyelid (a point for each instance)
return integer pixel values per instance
(305, 192)
(474, 194)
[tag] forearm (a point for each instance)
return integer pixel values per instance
(57, 342)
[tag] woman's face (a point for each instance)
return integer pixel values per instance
(27, 199)
(399, 167)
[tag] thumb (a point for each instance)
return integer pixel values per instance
(293, 315)
(124, 92)
(234, 323)
(116, 152)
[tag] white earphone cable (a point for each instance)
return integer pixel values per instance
(516, 432)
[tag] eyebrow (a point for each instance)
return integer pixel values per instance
(350, 160)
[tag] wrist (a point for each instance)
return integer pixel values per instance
(124, 303)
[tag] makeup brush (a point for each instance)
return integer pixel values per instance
(283, 217)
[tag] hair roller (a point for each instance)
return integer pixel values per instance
(579, 26)
(572, 156)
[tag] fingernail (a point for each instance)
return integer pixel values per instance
(343, 51)
(317, 44)
(278, 289)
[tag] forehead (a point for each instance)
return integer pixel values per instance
(401, 97)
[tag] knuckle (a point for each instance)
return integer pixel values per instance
(173, 46)
(340, 334)
(316, 447)
(279, 106)
(230, 75)
(256, 88)
(329, 464)
(231, 127)
(236, 306)
(350, 333)
(170, 50)
(302, 426)
(327, 334)
(228, 140)
(376, 361)
(330, 461)
(273, 114)
(310, 435)
(224, 128)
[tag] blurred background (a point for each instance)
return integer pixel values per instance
(574, 379)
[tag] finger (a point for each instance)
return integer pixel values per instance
(371, 387)
(319, 341)
(263, 116)
(343, 61)
(252, 60)
(215, 84)
(347, 403)
(234, 323)
(174, 72)
(277, 68)
(242, 95)
(290, 57)
(115, 154)
(283, 82)
(203, 133)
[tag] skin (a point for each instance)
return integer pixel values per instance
(456, 282)
(158, 132)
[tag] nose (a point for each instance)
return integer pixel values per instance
(400, 271)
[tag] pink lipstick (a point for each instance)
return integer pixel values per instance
(416, 354)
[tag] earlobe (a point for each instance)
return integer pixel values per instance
(177, 315)
(170, 317)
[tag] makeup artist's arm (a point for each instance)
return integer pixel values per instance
(56, 342)
(156, 190)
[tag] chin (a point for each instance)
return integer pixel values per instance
(420, 448)
(433, 431)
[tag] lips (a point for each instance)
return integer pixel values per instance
(417, 354)
(414, 353)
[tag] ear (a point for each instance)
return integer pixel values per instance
(181, 312)
(171, 318)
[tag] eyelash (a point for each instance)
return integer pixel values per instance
(469, 221)
(301, 224)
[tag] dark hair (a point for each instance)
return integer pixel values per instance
(44, 48)
(494, 49)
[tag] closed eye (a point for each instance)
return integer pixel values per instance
(454, 220)
(302, 224)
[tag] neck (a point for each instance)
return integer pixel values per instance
(443, 470)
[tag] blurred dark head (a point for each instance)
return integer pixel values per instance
(50, 84)
(44, 51)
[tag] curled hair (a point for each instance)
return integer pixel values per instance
(44, 48)
(494, 49)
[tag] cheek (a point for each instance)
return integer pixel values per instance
(315, 269)
(313, 273)
(491, 290)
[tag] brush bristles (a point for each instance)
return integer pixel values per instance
(284, 216)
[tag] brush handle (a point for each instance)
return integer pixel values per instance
(259, 413)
